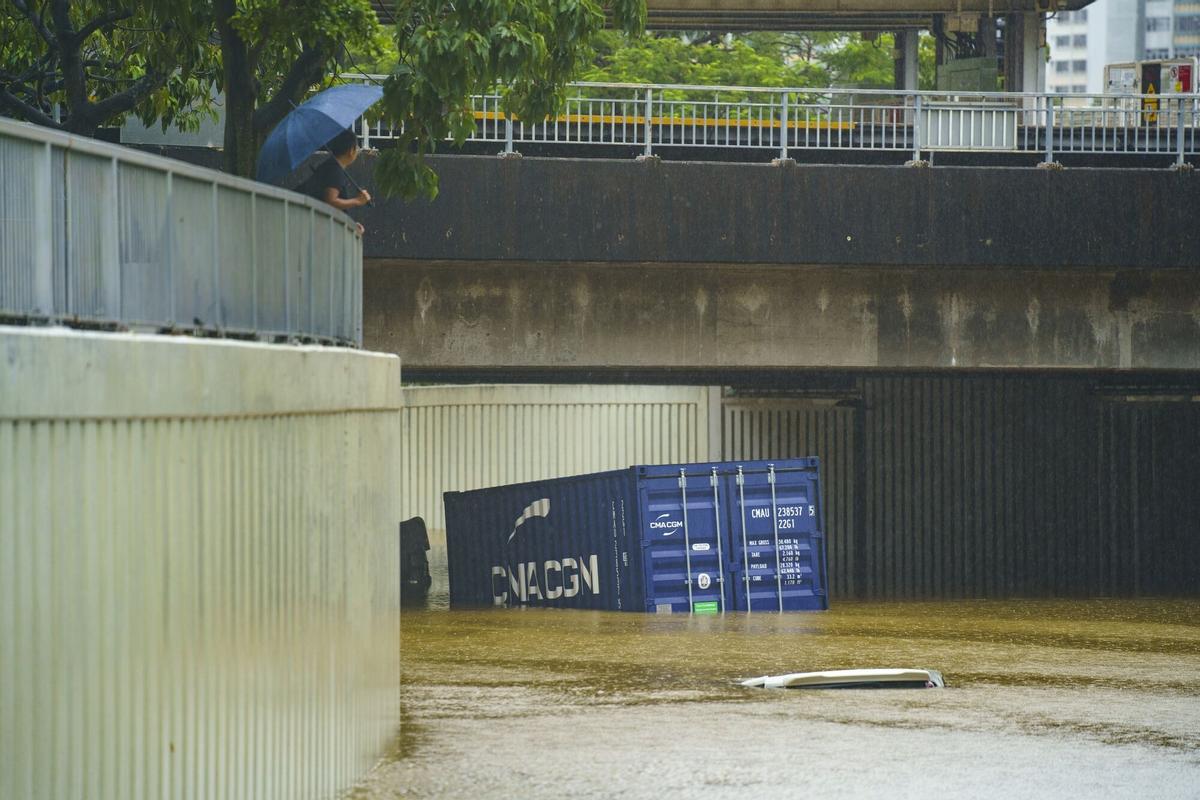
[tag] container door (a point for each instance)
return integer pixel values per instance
(683, 544)
(778, 549)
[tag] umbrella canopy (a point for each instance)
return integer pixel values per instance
(311, 125)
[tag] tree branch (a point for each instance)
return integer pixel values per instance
(25, 110)
(68, 51)
(123, 102)
(100, 22)
(38, 23)
(307, 69)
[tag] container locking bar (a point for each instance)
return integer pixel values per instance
(741, 483)
(687, 544)
(775, 526)
(720, 554)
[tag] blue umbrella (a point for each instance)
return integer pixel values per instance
(311, 125)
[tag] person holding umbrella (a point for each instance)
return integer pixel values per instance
(321, 121)
(329, 182)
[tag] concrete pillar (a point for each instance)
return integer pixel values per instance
(1033, 52)
(907, 68)
(1025, 52)
(912, 72)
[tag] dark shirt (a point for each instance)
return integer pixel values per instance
(328, 175)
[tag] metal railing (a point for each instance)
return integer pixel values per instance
(101, 235)
(647, 117)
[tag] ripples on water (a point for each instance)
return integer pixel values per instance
(1045, 698)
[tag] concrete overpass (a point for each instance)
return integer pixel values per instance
(831, 14)
(525, 265)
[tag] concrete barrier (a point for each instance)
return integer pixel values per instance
(198, 566)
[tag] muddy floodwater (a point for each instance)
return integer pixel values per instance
(1077, 699)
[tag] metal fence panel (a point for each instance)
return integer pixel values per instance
(236, 232)
(299, 231)
(20, 233)
(92, 282)
(194, 253)
(147, 291)
(97, 233)
(270, 265)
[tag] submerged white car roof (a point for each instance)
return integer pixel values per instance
(847, 678)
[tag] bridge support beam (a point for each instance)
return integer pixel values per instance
(1025, 52)
(907, 74)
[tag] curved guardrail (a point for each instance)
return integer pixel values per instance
(99, 235)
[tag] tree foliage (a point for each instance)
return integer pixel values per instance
(803, 59)
(709, 61)
(448, 51)
(273, 52)
(92, 62)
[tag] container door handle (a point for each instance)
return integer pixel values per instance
(687, 544)
(741, 482)
(775, 527)
(720, 553)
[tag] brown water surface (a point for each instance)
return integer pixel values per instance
(1044, 699)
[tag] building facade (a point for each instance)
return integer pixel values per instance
(1112, 31)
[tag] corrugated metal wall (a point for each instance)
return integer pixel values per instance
(471, 437)
(775, 428)
(195, 606)
(994, 485)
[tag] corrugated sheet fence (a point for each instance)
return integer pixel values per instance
(471, 437)
(199, 604)
(943, 486)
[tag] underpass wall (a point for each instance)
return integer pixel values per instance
(935, 485)
(199, 566)
(463, 314)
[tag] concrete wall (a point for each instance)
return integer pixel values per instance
(522, 316)
(531, 263)
(564, 210)
(198, 566)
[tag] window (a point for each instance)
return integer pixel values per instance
(1062, 67)
(1158, 24)
(1062, 41)
(1189, 24)
(1080, 40)
(1081, 15)
(1158, 52)
(1079, 66)
(1078, 89)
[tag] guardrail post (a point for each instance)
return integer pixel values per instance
(649, 105)
(508, 133)
(1049, 159)
(917, 127)
(783, 127)
(1179, 149)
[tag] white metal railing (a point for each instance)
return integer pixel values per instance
(652, 116)
(99, 234)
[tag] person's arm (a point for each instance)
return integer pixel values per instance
(332, 197)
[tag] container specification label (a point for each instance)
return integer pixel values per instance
(791, 560)
(706, 607)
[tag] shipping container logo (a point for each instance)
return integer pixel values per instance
(544, 579)
(663, 522)
(538, 508)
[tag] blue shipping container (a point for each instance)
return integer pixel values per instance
(700, 538)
